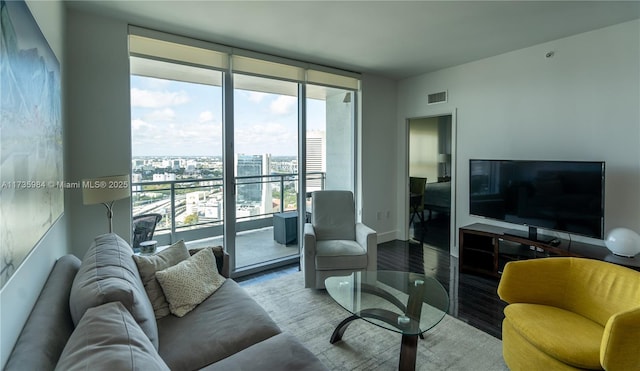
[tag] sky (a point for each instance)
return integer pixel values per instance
(172, 118)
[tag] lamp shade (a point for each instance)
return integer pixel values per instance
(105, 189)
(623, 242)
(443, 158)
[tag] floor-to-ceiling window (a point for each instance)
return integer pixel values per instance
(216, 144)
(266, 167)
(176, 146)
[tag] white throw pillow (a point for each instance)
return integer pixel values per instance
(190, 282)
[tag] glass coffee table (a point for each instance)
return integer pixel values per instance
(407, 303)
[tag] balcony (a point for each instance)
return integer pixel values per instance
(193, 210)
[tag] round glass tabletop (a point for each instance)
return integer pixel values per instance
(408, 303)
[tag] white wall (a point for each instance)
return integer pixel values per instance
(378, 158)
(21, 291)
(580, 104)
(99, 120)
(339, 143)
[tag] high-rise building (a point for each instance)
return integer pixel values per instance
(316, 149)
(254, 190)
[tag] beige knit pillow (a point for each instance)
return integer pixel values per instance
(148, 265)
(190, 282)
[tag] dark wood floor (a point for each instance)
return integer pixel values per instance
(473, 298)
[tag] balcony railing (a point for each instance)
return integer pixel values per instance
(193, 208)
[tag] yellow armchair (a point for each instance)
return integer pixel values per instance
(569, 313)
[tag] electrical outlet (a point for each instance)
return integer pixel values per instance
(379, 215)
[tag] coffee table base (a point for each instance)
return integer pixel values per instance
(408, 347)
(408, 353)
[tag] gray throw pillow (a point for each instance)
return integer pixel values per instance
(190, 282)
(108, 338)
(218, 252)
(148, 265)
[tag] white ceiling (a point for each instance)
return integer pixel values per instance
(396, 39)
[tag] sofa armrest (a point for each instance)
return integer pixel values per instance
(368, 239)
(536, 281)
(619, 347)
(309, 255)
(49, 325)
(225, 265)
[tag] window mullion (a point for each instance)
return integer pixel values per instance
(229, 171)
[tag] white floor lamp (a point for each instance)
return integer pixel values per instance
(106, 190)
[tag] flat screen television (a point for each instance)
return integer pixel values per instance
(565, 196)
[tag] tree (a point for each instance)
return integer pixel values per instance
(191, 219)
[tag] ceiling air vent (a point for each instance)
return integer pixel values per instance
(434, 98)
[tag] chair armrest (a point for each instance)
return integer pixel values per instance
(619, 347)
(368, 238)
(309, 255)
(310, 236)
(364, 235)
(536, 281)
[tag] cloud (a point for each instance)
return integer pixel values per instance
(157, 99)
(269, 137)
(166, 114)
(283, 104)
(206, 116)
(176, 138)
(256, 97)
(138, 124)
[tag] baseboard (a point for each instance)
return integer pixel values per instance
(386, 237)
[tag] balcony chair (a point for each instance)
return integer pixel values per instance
(569, 313)
(334, 243)
(143, 228)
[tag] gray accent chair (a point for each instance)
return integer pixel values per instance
(334, 243)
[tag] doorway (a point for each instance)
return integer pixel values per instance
(430, 156)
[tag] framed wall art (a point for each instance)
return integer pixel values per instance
(31, 159)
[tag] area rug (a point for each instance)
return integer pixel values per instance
(311, 316)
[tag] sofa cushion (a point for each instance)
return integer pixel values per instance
(224, 324)
(107, 274)
(189, 282)
(566, 336)
(108, 338)
(280, 352)
(49, 325)
(148, 265)
(340, 254)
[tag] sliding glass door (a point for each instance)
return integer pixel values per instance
(266, 170)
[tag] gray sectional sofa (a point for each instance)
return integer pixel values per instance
(95, 314)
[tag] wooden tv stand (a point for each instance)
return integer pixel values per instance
(487, 248)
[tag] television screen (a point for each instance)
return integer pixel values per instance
(565, 196)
